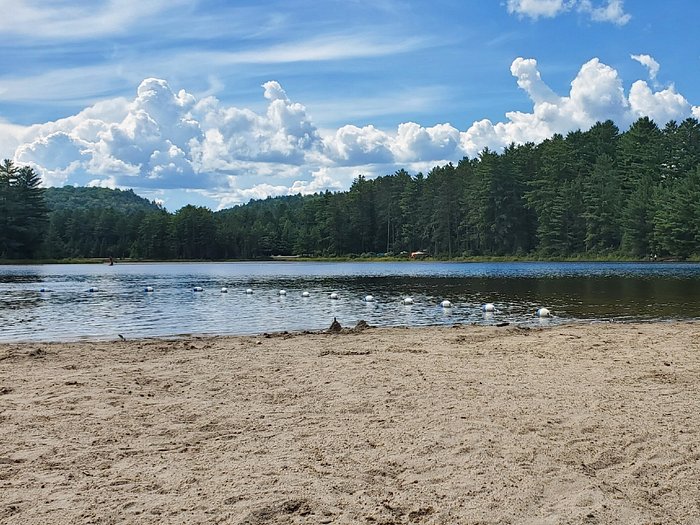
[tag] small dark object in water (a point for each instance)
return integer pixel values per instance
(335, 326)
(504, 323)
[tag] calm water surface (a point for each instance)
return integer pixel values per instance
(66, 310)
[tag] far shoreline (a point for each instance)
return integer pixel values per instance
(358, 259)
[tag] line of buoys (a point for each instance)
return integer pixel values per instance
(486, 308)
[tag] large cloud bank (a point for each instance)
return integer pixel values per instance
(163, 140)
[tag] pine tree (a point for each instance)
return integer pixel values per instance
(23, 213)
(602, 207)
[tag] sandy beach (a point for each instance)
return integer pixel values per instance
(594, 424)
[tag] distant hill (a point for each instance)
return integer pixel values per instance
(82, 198)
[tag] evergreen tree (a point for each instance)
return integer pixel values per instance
(602, 207)
(550, 194)
(638, 219)
(9, 209)
(193, 233)
(677, 217)
(23, 213)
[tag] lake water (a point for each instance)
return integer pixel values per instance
(66, 310)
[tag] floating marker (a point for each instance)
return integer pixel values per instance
(249, 291)
(446, 304)
(197, 289)
(148, 289)
(43, 290)
(369, 298)
(224, 290)
(334, 296)
(282, 292)
(92, 289)
(488, 307)
(408, 300)
(543, 312)
(304, 294)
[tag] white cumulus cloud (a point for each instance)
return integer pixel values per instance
(660, 106)
(537, 8)
(414, 142)
(648, 62)
(353, 145)
(613, 11)
(596, 94)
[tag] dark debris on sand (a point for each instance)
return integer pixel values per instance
(336, 327)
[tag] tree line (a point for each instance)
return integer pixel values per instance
(590, 193)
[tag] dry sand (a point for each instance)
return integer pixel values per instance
(576, 424)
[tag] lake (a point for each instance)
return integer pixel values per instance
(66, 310)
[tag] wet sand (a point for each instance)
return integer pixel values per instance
(594, 424)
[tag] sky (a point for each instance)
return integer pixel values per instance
(214, 103)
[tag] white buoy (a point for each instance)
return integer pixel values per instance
(92, 289)
(488, 307)
(282, 292)
(408, 300)
(248, 291)
(369, 298)
(224, 290)
(446, 304)
(197, 289)
(334, 296)
(543, 312)
(148, 289)
(304, 294)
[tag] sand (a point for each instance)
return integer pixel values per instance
(582, 424)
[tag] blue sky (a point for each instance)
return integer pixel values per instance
(214, 103)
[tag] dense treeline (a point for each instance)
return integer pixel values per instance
(593, 193)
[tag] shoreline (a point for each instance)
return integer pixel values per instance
(536, 323)
(348, 258)
(575, 423)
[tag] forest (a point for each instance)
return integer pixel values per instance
(599, 193)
